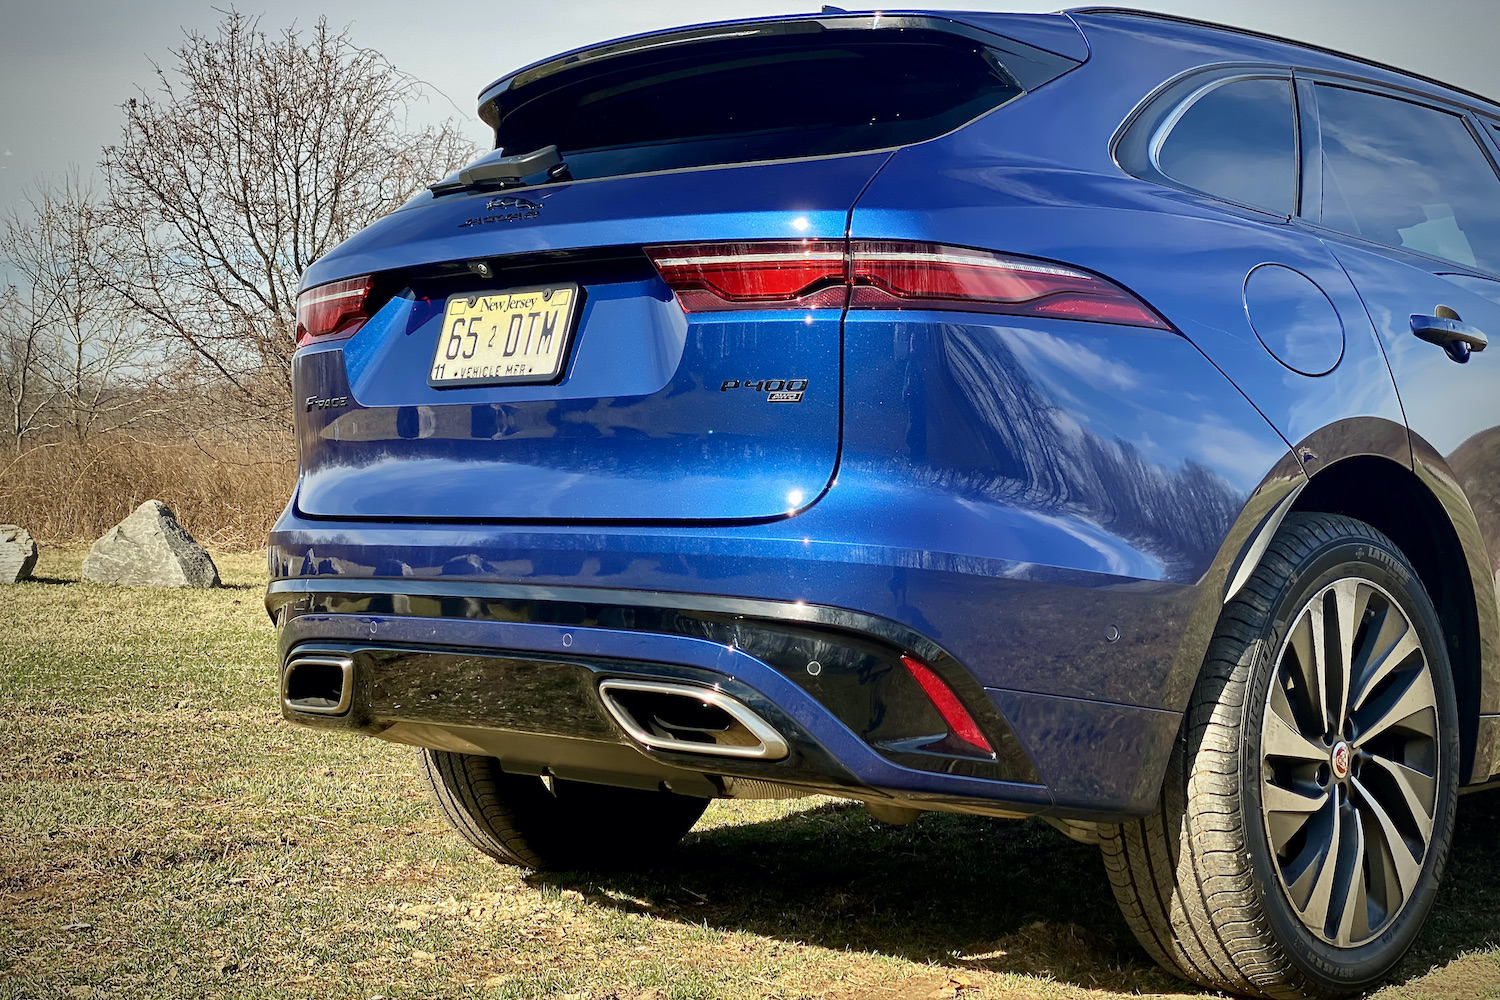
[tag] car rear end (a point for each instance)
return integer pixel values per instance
(614, 467)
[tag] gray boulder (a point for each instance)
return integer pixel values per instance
(150, 549)
(17, 553)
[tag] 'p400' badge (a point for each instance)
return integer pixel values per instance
(777, 390)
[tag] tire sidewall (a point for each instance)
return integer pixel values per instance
(1346, 969)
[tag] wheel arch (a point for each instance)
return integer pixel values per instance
(1392, 498)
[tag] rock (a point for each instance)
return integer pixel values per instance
(17, 553)
(150, 549)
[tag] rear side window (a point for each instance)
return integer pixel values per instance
(798, 90)
(1407, 175)
(1237, 142)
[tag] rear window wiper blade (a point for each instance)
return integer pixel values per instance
(497, 169)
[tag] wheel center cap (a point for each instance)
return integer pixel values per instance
(1340, 760)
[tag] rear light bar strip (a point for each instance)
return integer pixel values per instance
(890, 275)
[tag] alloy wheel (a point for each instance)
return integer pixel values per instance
(1349, 762)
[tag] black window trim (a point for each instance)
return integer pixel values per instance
(1473, 119)
(1153, 118)
(1484, 102)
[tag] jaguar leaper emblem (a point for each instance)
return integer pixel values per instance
(1341, 760)
(504, 208)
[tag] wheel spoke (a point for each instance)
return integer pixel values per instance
(1317, 878)
(1282, 737)
(1288, 811)
(1309, 642)
(1349, 600)
(1419, 696)
(1408, 867)
(1353, 901)
(1418, 791)
(1390, 649)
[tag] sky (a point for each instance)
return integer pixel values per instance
(66, 66)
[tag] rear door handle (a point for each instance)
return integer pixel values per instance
(1450, 333)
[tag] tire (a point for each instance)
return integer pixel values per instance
(554, 825)
(1224, 884)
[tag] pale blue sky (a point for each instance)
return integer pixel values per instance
(67, 65)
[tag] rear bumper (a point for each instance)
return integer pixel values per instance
(514, 671)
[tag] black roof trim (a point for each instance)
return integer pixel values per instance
(1491, 102)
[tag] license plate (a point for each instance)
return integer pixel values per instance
(504, 337)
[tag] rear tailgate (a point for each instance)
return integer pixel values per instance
(529, 363)
(638, 426)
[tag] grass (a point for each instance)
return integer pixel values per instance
(166, 834)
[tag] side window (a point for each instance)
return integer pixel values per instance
(1237, 142)
(1407, 175)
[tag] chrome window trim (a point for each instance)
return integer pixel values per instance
(1149, 114)
(1163, 131)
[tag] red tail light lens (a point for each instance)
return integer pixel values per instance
(881, 274)
(960, 723)
(797, 274)
(891, 275)
(334, 310)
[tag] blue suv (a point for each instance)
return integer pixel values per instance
(1079, 416)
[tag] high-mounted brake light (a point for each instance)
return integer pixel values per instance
(794, 274)
(960, 723)
(334, 310)
(893, 275)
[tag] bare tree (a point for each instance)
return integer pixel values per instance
(68, 346)
(252, 158)
(21, 325)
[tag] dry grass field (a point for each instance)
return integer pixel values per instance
(164, 834)
(225, 494)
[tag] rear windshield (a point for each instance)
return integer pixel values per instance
(766, 96)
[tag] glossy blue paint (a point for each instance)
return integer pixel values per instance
(789, 200)
(1055, 505)
(1064, 198)
(602, 444)
(637, 427)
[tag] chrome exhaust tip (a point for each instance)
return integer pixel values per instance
(687, 718)
(318, 683)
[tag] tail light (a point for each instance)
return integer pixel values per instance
(889, 275)
(799, 274)
(960, 723)
(334, 310)
(881, 274)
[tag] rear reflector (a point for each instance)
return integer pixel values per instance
(960, 723)
(799, 274)
(882, 274)
(334, 310)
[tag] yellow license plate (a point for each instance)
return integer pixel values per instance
(504, 337)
